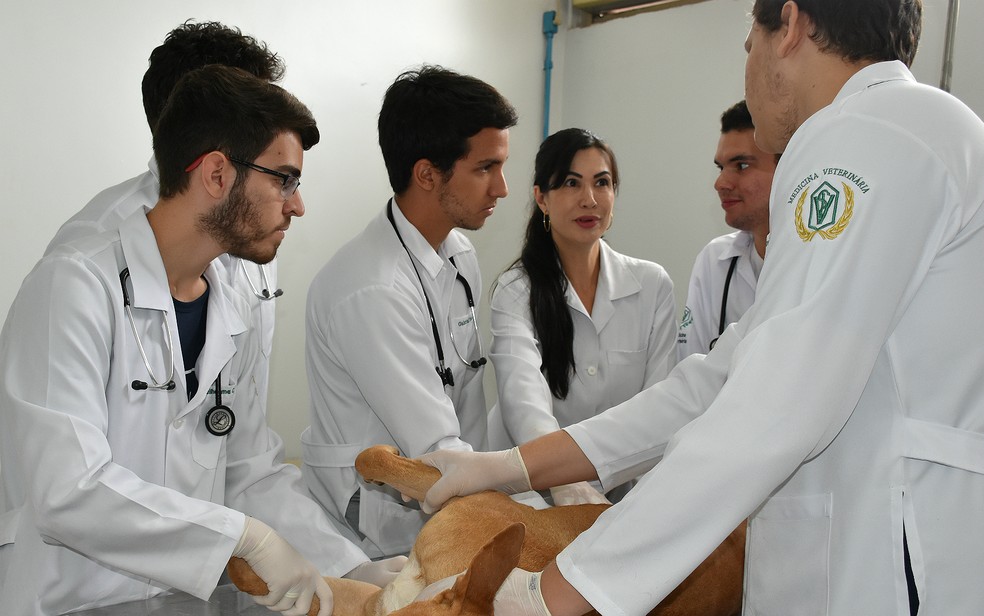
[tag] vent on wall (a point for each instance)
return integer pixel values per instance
(600, 10)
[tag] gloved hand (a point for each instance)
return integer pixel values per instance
(580, 493)
(292, 580)
(380, 572)
(520, 595)
(468, 472)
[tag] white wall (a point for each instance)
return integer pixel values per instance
(71, 121)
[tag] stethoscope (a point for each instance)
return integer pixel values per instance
(167, 385)
(447, 378)
(264, 293)
(724, 300)
(219, 420)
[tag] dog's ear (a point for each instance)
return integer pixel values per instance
(474, 591)
(476, 588)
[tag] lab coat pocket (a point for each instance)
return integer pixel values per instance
(628, 370)
(463, 330)
(207, 448)
(391, 526)
(787, 570)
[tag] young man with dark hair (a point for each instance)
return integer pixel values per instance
(843, 415)
(136, 458)
(722, 284)
(393, 349)
(188, 47)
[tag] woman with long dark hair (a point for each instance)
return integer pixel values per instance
(577, 327)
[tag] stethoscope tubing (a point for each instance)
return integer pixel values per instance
(138, 385)
(722, 323)
(447, 377)
(220, 419)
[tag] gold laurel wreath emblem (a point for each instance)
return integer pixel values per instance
(832, 232)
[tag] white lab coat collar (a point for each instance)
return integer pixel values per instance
(145, 264)
(154, 171)
(871, 75)
(432, 261)
(739, 247)
(147, 271)
(614, 282)
(148, 280)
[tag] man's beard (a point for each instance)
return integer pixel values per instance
(235, 225)
(456, 210)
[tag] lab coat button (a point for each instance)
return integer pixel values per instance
(592, 371)
(178, 423)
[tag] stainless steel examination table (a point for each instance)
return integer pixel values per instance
(225, 601)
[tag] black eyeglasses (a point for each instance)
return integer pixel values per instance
(290, 182)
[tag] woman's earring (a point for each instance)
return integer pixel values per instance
(546, 222)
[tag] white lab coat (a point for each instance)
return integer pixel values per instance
(115, 204)
(624, 346)
(110, 494)
(371, 360)
(702, 315)
(844, 405)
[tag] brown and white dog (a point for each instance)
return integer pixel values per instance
(487, 535)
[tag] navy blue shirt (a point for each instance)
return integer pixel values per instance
(191, 317)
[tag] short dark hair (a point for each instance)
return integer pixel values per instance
(875, 30)
(225, 109)
(194, 45)
(736, 118)
(430, 113)
(552, 321)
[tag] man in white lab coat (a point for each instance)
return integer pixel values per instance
(393, 348)
(190, 46)
(136, 455)
(722, 283)
(843, 415)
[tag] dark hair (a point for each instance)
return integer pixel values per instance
(193, 45)
(857, 30)
(736, 118)
(552, 322)
(225, 109)
(430, 113)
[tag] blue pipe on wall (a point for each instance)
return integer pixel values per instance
(549, 29)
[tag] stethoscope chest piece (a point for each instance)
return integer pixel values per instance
(220, 420)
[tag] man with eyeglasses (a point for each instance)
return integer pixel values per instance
(393, 347)
(136, 462)
(191, 46)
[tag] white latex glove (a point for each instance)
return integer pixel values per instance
(380, 572)
(520, 595)
(468, 472)
(580, 493)
(292, 580)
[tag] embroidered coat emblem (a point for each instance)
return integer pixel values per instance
(825, 218)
